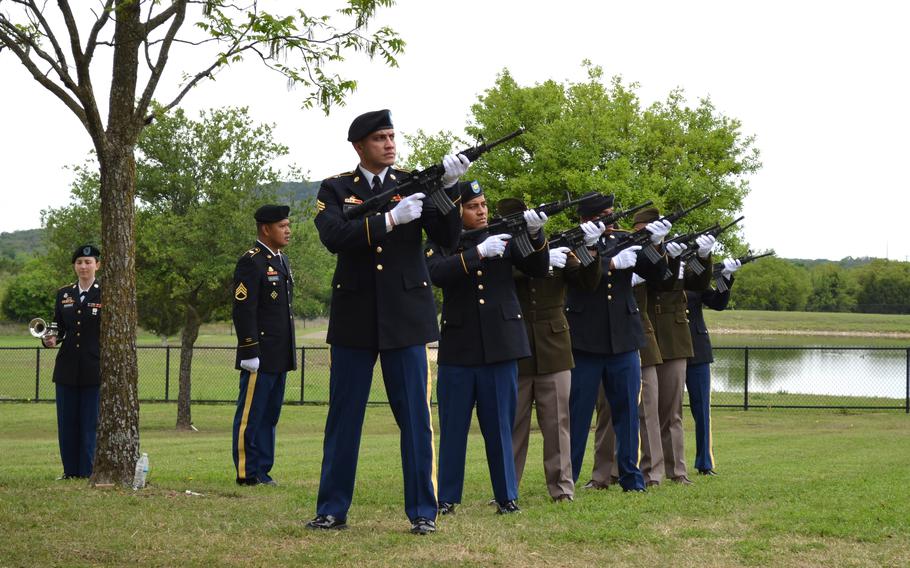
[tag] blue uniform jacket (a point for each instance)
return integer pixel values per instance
(701, 339)
(78, 336)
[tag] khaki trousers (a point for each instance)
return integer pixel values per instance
(651, 460)
(671, 379)
(550, 392)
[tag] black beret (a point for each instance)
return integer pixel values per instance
(369, 122)
(646, 215)
(510, 205)
(272, 213)
(86, 250)
(469, 190)
(594, 206)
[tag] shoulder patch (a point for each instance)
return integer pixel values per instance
(241, 293)
(343, 174)
(67, 286)
(402, 170)
(253, 251)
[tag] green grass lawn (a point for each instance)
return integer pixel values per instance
(802, 322)
(796, 488)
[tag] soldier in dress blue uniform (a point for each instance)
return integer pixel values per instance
(382, 306)
(77, 371)
(606, 336)
(483, 336)
(698, 369)
(264, 322)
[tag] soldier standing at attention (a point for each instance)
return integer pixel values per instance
(77, 370)
(669, 315)
(698, 369)
(606, 336)
(382, 306)
(483, 336)
(264, 321)
(545, 378)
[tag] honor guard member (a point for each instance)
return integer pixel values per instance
(483, 336)
(669, 315)
(264, 321)
(651, 462)
(606, 336)
(545, 377)
(382, 306)
(77, 370)
(698, 368)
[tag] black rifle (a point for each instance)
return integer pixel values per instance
(574, 238)
(719, 279)
(515, 225)
(697, 267)
(642, 237)
(428, 181)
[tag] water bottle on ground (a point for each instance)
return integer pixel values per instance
(142, 471)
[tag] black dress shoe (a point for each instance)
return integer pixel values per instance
(563, 497)
(271, 482)
(634, 490)
(707, 472)
(682, 480)
(66, 476)
(507, 507)
(247, 481)
(327, 522)
(447, 508)
(423, 525)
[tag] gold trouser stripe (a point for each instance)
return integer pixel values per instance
(241, 451)
(710, 429)
(638, 463)
(432, 434)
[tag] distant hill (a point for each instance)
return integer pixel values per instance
(299, 190)
(22, 243)
(846, 262)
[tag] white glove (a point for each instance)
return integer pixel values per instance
(658, 230)
(558, 257)
(407, 209)
(455, 167)
(731, 265)
(682, 271)
(592, 232)
(675, 249)
(493, 245)
(636, 279)
(251, 365)
(705, 245)
(534, 221)
(626, 258)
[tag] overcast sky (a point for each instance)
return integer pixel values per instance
(822, 85)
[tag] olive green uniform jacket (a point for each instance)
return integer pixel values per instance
(668, 312)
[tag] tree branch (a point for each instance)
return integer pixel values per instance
(96, 29)
(49, 34)
(54, 88)
(72, 29)
(164, 16)
(146, 98)
(19, 37)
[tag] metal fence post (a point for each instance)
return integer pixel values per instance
(746, 380)
(907, 401)
(37, 371)
(302, 370)
(167, 373)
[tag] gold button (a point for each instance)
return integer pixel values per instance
(261, 333)
(378, 267)
(519, 316)
(480, 286)
(612, 237)
(480, 273)
(609, 273)
(338, 285)
(687, 311)
(78, 323)
(533, 289)
(533, 302)
(378, 249)
(609, 297)
(78, 311)
(274, 283)
(481, 301)
(609, 285)
(424, 283)
(77, 345)
(443, 322)
(268, 256)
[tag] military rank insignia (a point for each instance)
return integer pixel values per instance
(429, 253)
(274, 295)
(320, 206)
(241, 293)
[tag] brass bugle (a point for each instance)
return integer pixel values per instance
(40, 328)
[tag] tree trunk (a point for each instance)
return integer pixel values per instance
(118, 417)
(187, 340)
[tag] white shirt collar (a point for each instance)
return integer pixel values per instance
(268, 249)
(370, 175)
(81, 291)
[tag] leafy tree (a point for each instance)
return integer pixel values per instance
(883, 287)
(57, 46)
(314, 266)
(31, 293)
(595, 136)
(833, 290)
(771, 284)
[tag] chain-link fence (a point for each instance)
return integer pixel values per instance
(744, 377)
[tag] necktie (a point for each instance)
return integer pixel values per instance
(377, 185)
(82, 297)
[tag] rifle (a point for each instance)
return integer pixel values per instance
(515, 225)
(427, 180)
(698, 267)
(574, 238)
(642, 237)
(719, 279)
